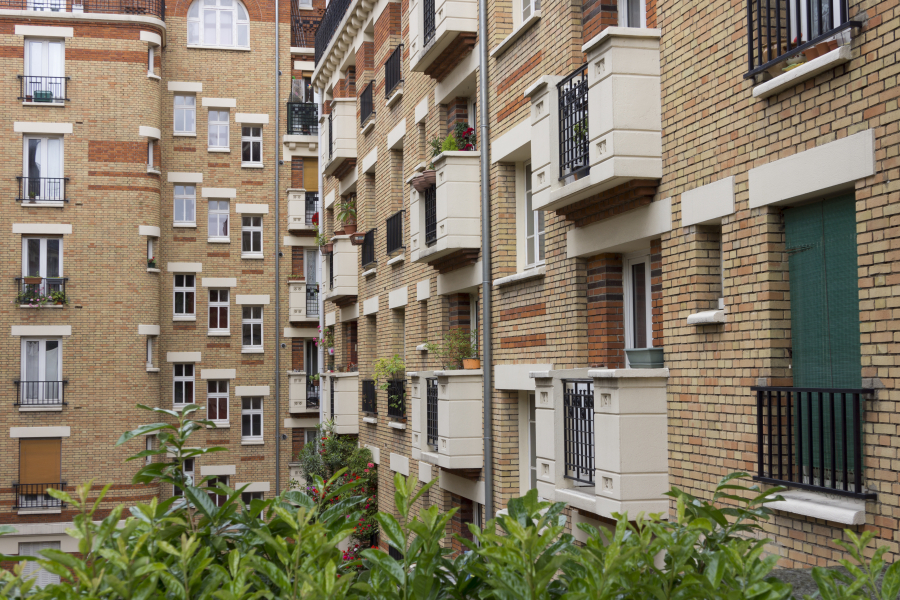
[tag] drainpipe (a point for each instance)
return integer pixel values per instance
(321, 261)
(486, 282)
(278, 163)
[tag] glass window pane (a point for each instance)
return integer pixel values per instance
(639, 304)
(226, 29)
(243, 31)
(209, 27)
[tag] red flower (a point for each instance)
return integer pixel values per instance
(315, 219)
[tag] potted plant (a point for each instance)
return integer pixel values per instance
(314, 380)
(151, 263)
(358, 238)
(58, 297)
(295, 277)
(33, 279)
(465, 137)
(32, 195)
(645, 358)
(347, 215)
(384, 371)
(427, 177)
(456, 348)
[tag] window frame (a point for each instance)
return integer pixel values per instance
(187, 194)
(218, 395)
(184, 379)
(196, 32)
(253, 322)
(151, 56)
(150, 344)
(219, 212)
(532, 7)
(184, 289)
(188, 475)
(251, 139)
(535, 226)
(248, 497)
(32, 569)
(623, 13)
(218, 304)
(628, 284)
(148, 445)
(218, 123)
(47, 68)
(253, 231)
(185, 109)
(251, 412)
(42, 360)
(43, 255)
(45, 161)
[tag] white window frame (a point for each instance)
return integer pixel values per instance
(623, 13)
(218, 304)
(248, 227)
(188, 375)
(216, 123)
(186, 196)
(213, 482)
(305, 3)
(218, 394)
(48, 191)
(151, 51)
(253, 413)
(216, 209)
(250, 138)
(628, 288)
(526, 9)
(150, 153)
(248, 497)
(534, 241)
(43, 256)
(240, 22)
(185, 288)
(48, 66)
(39, 394)
(151, 250)
(253, 322)
(33, 569)
(188, 468)
(188, 107)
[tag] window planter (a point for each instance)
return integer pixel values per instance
(471, 363)
(357, 239)
(424, 181)
(645, 358)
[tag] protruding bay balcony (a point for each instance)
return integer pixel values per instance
(340, 393)
(304, 301)
(339, 139)
(446, 418)
(441, 32)
(303, 394)
(302, 209)
(341, 266)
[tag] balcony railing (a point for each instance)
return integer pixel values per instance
(34, 495)
(334, 14)
(42, 189)
(153, 8)
(40, 393)
(428, 12)
(40, 291)
(302, 118)
(331, 400)
(780, 29)
(430, 201)
(312, 395)
(366, 105)
(303, 27)
(393, 72)
(368, 248)
(396, 396)
(431, 413)
(395, 232)
(811, 438)
(312, 200)
(578, 430)
(330, 135)
(39, 88)
(573, 123)
(312, 299)
(369, 399)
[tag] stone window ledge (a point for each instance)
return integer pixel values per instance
(823, 63)
(821, 505)
(532, 273)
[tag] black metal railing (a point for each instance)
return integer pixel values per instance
(366, 105)
(429, 197)
(431, 413)
(428, 10)
(40, 393)
(394, 553)
(331, 20)
(312, 394)
(573, 123)
(42, 189)
(780, 29)
(302, 118)
(40, 291)
(303, 27)
(34, 495)
(395, 232)
(312, 299)
(154, 8)
(368, 248)
(369, 397)
(330, 127)
(312, 203)
(393, 71)
(331, 405)
(40, 88)
(578, 430)
(396, 396)
(811, 438)
(331, 270)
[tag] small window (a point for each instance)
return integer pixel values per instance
(151, 51)
(42, 172)
(632, 13)
(248, 497)
(638, 309)
(305, 3)
(148, 445)
(223, 23)
(218, 499)
(150, 154)
(252, 327)
(534, 228)
(185, 291)
(183, 384)
(218, 219)
(251, 145)
(219, 309)
(33, 569)
(529, 7)
(151, 253)
(185, 205)
(150, 345)
(218, 129)
(217, 401)
(41, 257)
(251, 235)
(185, 114)
(251, 419)
(187, 469)
(532, 441)
(44, 79)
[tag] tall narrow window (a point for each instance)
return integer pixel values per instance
(187, 470)
(638, 320)
(151, 51)
(42, 174)
(185, 114)
(218, 129)
(148, 445)
(150, 345)
(252, 327)
(219, 309)
(32, 569)
(251, 235)
(185, 205)
(41, 372)
(185, 291)
(149, 153)
(251, 419)
(183, 382)
(532, 441)
(217, 401)
(251, 145)
(223, 23)
(534, 232)
(218, 220)
(151, 252)
(44, 79)
(41, 257)
(632, 13)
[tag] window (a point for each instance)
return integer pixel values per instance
(638, 309)
(40, 466)
(47, 5)
(148, 445)
(632, 13)
(41, 372)
(187, 468)
(218, 499)
(185, 205)
(44, 71)
(42, 257)
(251, 145)
(218, 129)
(183, 384)
(150, 345)
(528, 8)
(248, 497)
(150, 56)
(218, 312)
(184, 296)
(223, 23)
(251, 235)
(217, 401)
(150, 154)
(43, 169)
(252, 327)
(534, 228)
(185, 114)
(251, 419)
(33, 569)
(218, 219)
(151, 253)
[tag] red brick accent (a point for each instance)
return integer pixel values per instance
(365, 57)
(297, 354)
(597, 15)
(296, 260)
(452, 56)
(388, 24)
(461, 519)
(298, 440)
(251, 458)
(106, 151)
(347, 166)
(620, 199)
(12, 52)
(297, 172)
(512, 107)
(457, 112)
(326, 107)
(524, 341)
(516, 75)
(459, 311)
(605, 311)
(524, 312)
(346, 87)
(184, 149)
(128, 56)
(123, 188)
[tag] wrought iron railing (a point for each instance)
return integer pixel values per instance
(331, 20)
(396, 396)
(303, 27)
(430, 201)
(811, 438)
(368, 248)
(302, 118)
(331, 400)
(395, 232)
(393, 71)
(780, 29)
(312, 203)
(153, 8)
(42, 189)
(34, 495)
(331, 270)
(312, 394)
(40, 88)
(366, 104)
(330, 127)
(40, 393)
(578, 430)
(573, 123)
(369, 397)
(41, 291)
(428, 10)
(431, 413)
(312, 299)
(394, 553)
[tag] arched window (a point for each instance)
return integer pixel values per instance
(222, 23)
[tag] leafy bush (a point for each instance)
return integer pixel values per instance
(457, 345)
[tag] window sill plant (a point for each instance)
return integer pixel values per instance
(347, 216)
(456, 348)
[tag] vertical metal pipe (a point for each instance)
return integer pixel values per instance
(857, 446)
(277, 255)
(789, 407)
(486, 258)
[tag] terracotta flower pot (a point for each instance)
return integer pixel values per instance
(357, 239)
(349, 228)
(328, 248)
(471, 363)
(424, 181)
(33, 280)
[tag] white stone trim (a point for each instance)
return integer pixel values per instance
(423, 290)
(516, 377)
(298, 423)
(148, 329)
(219, 102)
(820, 64)
(532, 273)
(42, 31)
(301, 332)
(148, 230)
(396, 135)
(218, 282)
(218, 373)
(329, 199)
(330, 318)
(150, 132)
(623, 233)
(256, 486)
(206, 470)
(461, 486)
(425, 475)
(152, 38)
(370, 160)
(252, 209)
(183, 357)
(41, 330)
(206, 192)
(252, 118)
(706, 317)
(422, 110)
(464, 279)
(52, 128)
(186, 86)
(514, 145)
(304, 65)
(175, 177)
(708, 203)
(837, 509)
(376, 453)
(252, 299)
(42, 228)
(400, 464)
(398, 298)
(370, 306)
(251, 390)
(39, 432)
(184, 267)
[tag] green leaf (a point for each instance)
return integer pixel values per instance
(385, 564)
(143, 429)
(890, 586)
(201, 500)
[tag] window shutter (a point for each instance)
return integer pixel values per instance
(43, 577)
(39, 460)
(310, 175)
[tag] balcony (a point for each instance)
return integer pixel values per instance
(342, 391)
(302, 210)
(393, 76)
(341, 130)
(303, 119)
(441, 32)
(40, 395)
(394, 226)
(39, 89)
(303, 395)
(149, 8)
(34, 496)
(43, 190)
(603, 122)
(342, 274)
(41, 292)
(304, 301)
(446, 418)
(331, 20)
(602, 439)
(446, 218)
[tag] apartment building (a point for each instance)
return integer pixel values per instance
(151, 172)
(678, 198)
